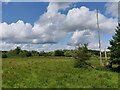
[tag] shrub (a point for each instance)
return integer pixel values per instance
(68, 54)
(25, 53)
(17, 50)
(28, 54)
(22, 54)
(4, 55)
(34, 53)
(81, 55)
(14, 53)
(59, 53)
(50, 54)
(42, 53)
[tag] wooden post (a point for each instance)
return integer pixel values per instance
(106, 57)
(101, 63)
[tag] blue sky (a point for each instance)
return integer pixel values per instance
(38, 13)
(30, 11)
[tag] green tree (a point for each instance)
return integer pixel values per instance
(58, 53)
(17, 50)
(42, 53)
(81, 55)
(4, 55)
(68, 53)
(28, 54)
(34, 53)
(115, 47)
(25, 53)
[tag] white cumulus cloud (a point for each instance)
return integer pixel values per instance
(112, 8)
(81, 37)
(53, 26)
(18, 32)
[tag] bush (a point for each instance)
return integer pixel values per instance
(68, 54)
(14, 53)
(28, 54)
(59, 53)
(11, 53)
(25, 53)
(49, 54)
(81, 55)
(22, 54)
(4, 55)
(17, 50)
(34, 53)
(42, 53)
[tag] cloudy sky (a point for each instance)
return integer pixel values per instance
(56, 25)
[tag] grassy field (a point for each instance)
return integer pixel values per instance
(54, 72)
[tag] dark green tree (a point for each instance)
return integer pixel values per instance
(58, 53)
(17, 50)
(115, 47)
(68, 53)
(34, 53)
(42, 53)
(81, 55)
(28, 54)
(4, 55)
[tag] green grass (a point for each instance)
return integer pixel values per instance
(54, 72)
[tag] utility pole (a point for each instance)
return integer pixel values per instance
(101, 63)
(106, 57)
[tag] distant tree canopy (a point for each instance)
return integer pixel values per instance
(34, 53)
(4, 55)
(68, 53)
(58, 53)
(42, 53)
(115, 46)
(18, 52)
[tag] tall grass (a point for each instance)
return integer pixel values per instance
(54, 72)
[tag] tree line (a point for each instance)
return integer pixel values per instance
(18, 52)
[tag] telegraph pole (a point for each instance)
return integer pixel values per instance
(106, 57)
(99, 40)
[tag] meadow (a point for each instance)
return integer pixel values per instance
(54, 72)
